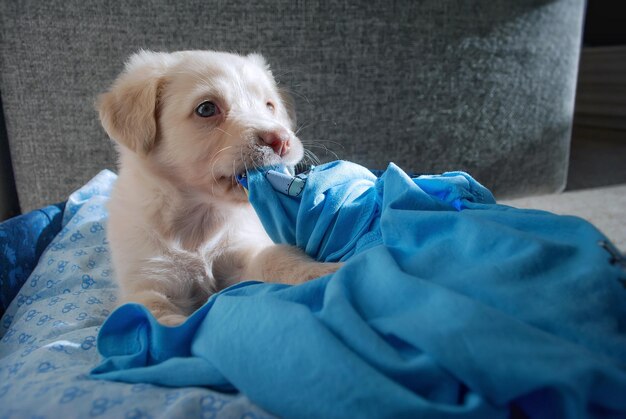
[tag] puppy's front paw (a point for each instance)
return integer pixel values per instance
(159, 305)
(172, 319)
(318, 269)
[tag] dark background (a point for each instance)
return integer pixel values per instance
(605, 23)
(598, 148)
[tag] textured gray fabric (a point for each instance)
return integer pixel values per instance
(484, 86)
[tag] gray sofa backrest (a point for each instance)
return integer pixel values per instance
(485, 86)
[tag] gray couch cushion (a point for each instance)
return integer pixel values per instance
(484, 86)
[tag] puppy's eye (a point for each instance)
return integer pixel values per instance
(270, 106)
(207, 109)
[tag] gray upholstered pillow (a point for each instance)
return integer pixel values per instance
(483, 86)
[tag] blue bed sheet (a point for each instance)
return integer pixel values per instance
(448, 305)
(48, 333)
(22, 241)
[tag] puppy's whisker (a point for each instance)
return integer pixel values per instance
(309, 155)
(300, 128)
(225, 132)
(213, 161)
(321, 142)
(303, 126)
(222, 149)
(313, 145)
(314, 156)
(245, 165)
(281, 73)
(323, 147)
(293, 92)
(214, 178)
(254, 163)
(233, 178)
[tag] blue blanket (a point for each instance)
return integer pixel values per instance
(448, 305)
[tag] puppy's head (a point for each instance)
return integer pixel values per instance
(200, 118)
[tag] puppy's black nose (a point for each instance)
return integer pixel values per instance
(278, 140)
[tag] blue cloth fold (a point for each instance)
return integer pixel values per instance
(448, 305)
(22, 241)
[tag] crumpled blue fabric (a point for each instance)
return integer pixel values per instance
(447, 305)
(343, 201)
(22, 241)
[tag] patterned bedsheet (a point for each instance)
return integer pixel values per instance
(48, 334)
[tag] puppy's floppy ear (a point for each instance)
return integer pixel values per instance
(128, 110)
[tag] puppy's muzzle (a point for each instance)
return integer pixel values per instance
(278, 140)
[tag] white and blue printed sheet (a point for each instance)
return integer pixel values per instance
(48, 334)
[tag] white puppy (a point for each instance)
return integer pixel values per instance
(180, 226)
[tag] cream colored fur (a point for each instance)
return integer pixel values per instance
(180, 227)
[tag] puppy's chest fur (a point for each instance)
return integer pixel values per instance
(211, 239)
(194, 225)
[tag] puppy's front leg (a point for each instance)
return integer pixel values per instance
(171, 285)
(286, 264)
(159, 304)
